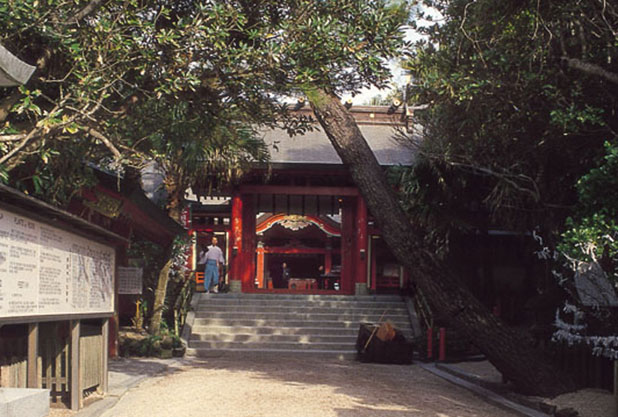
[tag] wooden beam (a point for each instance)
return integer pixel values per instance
(75, 384)
(300, 190)
(33, 355)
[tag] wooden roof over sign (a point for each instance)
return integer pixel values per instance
(13, 71)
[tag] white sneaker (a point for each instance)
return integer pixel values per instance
(215, 289)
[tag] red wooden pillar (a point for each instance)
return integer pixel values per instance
(248, 241)
(236, 243)
(348, 207)
(360, 253)
(260, 266)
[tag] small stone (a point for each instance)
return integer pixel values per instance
(165, 354)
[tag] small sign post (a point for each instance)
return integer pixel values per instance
(130, 280)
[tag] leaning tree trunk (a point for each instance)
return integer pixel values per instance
(160, 291)
(510, 351)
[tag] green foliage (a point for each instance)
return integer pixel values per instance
(149, 257)
(149, 345)
(511, 126)
(592, 234)
(183, 82)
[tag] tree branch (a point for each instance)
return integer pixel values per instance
(591, 69)
(33, 133)
(86, 11)
(108, 143)
(11, 138)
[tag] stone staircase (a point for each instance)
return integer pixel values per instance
(318, 325)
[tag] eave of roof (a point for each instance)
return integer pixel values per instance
(13, 71)
(39, 210)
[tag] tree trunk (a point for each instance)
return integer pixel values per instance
(160, 292)
(174, 210)
(510, 352)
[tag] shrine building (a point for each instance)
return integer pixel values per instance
(303, 209)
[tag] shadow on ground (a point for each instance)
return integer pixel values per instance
(371, 389)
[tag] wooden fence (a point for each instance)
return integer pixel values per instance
(54, 359)
(13, 362)
(91, 351)
(53, 370)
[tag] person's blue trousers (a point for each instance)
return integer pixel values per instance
(211, 274)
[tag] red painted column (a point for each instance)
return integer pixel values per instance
(442, 351)
(260, 266)
(361, 253)
(348, 206)
(236, 243)
(248, 241)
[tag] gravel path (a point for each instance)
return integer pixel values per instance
(294, 387)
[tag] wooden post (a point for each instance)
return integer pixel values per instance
(236, 229)
(348, 207)
(360, 254)
(33, 355)
(616, 386)
(442, 353)
(429, 343)
(260, 268)
(248, 241)
(104, 356)
(76, 389)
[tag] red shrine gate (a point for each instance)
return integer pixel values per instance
(303, 210)
(329, 227)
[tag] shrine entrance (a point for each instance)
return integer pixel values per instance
(308, 246)
(310, 240)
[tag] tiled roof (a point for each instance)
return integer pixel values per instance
(378, 127)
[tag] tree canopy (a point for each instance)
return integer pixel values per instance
(521, 98)
(101, 64)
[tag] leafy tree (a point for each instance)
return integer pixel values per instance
(592, 233)
(516, 112)
(237, 56)
(520, 97)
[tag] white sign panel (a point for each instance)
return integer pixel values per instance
(130, 280)
(47, 271)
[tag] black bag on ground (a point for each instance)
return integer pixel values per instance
(398, 350)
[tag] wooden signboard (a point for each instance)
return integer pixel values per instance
(46, 271)
(130, 280)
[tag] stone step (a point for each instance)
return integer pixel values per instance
(272, 345)
(271, 353)
(302, 309)
(268, 338)
(342, 324)
(332, 316)
(283, 331)
(311, 297)
(235, 303)
(287, 324)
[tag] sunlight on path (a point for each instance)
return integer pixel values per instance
(308, 388)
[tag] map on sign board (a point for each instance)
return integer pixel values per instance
(130, 280)
(47, 271)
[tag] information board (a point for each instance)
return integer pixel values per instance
(130, 280)
(47, 271)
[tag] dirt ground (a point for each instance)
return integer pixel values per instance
(293, 387)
